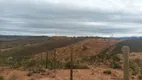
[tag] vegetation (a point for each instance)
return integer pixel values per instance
(135, 46)
(107, 72)
(37, 48)
(115, 65)
(23, 49)
(75, 66)
(136, 68)
(1, 78)
(10, 42)
(20, 55)
(12, 77)
(104, 57)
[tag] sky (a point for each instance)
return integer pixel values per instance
(104, 18)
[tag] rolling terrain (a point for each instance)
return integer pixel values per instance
(34, 58)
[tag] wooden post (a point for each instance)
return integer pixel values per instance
(71, 65)
(41, 60)
(55, 62)
(46, 64)
(125, 50)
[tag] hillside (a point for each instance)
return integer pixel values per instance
(135, 45)
(35, 58)
(29, 46)
(85, 48)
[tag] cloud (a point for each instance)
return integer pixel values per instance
(71, 17)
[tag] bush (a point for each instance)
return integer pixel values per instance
(115, 65)
(67, 65)
(134, 67)
(107, 72)
(29, 74)
(13, 77)
(29, 63)
(115, 58)
(140, 77)
(75, 66)
(80, 66)
(1, 78)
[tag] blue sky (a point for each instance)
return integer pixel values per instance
(71, 17)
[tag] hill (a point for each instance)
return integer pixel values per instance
(135, 45)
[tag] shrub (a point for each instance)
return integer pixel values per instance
(78, 66)
(29, 74)
(115, 65)
(107, 72)
(134, 67)
(115, 58)
(13, 77)
(139, 77)
(1, 78)
(75, 66)
(29, 63)
(67, 65)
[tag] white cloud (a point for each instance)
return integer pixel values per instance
(126, 6)
(71, 17)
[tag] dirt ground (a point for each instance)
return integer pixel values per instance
(135, 55)
(78, 74)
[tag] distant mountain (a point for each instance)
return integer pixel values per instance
(130, 38)
(24, 36)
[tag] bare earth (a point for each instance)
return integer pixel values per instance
(79, 74)
(84, 74)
